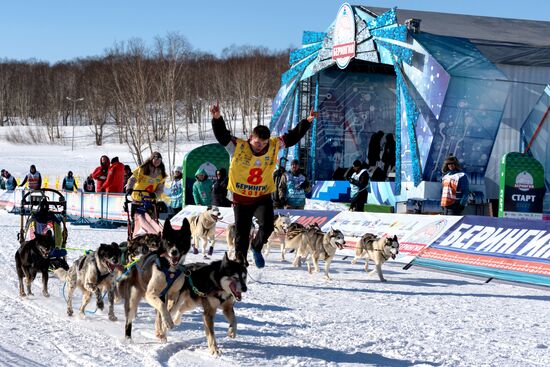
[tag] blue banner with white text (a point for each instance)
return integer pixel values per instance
(500, 248)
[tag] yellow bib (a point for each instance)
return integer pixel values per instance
(144, 182)
(251, 175)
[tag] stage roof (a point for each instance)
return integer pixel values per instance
(501, 40)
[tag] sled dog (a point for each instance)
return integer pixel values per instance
(320, 246)
(378, 249)
(93, 274)
(280, 226)
(142, 245)
(297, 236)
(210, 286)
(203, 228)
(33, 257)
(155, 275)
(230, 237)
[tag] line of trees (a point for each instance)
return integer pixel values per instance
(149, 93)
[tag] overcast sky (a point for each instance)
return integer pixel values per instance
(57, 30)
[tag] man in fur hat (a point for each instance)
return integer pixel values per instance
(454, 196)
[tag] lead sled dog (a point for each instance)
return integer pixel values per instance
(209, 286)
(155, 275)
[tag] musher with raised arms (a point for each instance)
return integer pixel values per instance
(253, 162)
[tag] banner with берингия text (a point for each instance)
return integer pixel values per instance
(501, 248)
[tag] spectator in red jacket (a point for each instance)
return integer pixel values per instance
(115, 177)
(100, 173)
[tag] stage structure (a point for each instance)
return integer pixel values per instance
(395, 97)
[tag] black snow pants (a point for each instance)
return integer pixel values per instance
(263, 211)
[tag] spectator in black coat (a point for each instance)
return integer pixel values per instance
(358, 178)
(89, 184)
(388, 156)
(277, 175)
(219, 189)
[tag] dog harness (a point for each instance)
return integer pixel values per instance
(170, 276)
(100, 277)
(371, 242)
(383, 253)
(215, 292)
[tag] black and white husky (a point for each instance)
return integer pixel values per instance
(209, 286)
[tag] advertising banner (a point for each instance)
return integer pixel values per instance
(92, 205)
(507, 249)
(7, 199)
(74, 202)
(190, 210)
(113, 207)
(307, 217)
(414, 232)
(343, 49)
(521, 187)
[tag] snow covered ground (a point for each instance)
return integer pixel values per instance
(287, 318)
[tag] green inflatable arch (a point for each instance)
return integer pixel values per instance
(210, 157)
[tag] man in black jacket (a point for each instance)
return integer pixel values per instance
(251, 179)
(358, 178)
(277, 175)
(219, 189)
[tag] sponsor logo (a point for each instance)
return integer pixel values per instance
(343, 39)
(524, 181)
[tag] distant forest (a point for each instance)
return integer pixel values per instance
(151, 94)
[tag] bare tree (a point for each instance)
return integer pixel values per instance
(131, 81)
(172, 52)
(148, 95)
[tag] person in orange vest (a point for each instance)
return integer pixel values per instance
(251, 179)
(100, 173)
(34, 178)
(456, 187)
(115, 177)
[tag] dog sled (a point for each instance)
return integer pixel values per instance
(142, 215)
(44, 211)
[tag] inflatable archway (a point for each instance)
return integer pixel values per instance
(210, 157)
